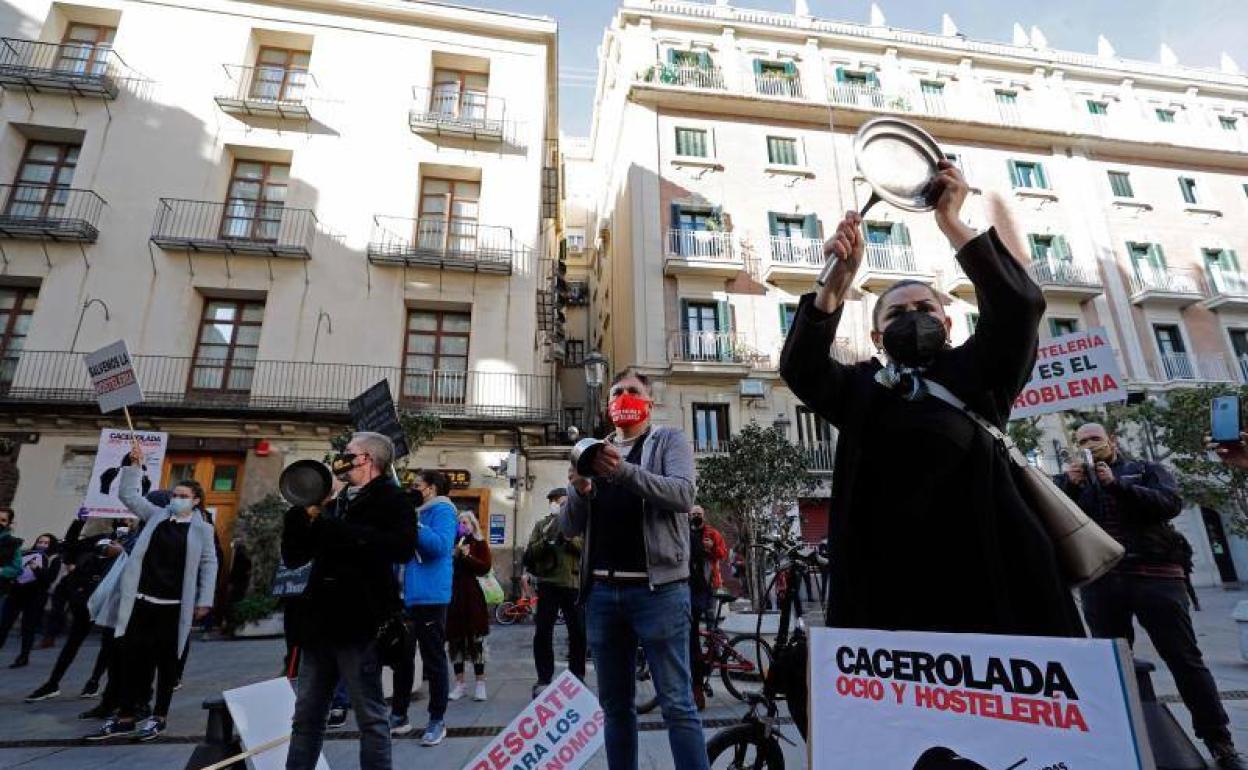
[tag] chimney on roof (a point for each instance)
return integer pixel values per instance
(1228, 64)
(1104, 48)
(801, 8)
(1167, 56)
(877, 16)
(1038, 40)
(1020, 35)
(947, 27)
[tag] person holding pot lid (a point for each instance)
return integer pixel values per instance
(927, 530)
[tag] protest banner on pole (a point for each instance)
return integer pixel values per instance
(114, 449)
(561, 727)
(373, 410)
(1072, 371)
(926, 701)
(113, 378)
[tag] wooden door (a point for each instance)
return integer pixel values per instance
(221, 476)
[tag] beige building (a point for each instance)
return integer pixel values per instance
(277, 207)
(721, 154)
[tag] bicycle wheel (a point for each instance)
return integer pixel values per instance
(645, 697)
(744, 664)
(505, 613)
(743, 747)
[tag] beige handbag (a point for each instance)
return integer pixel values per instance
(1084, 550)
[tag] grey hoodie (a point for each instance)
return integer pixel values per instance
(666, 481)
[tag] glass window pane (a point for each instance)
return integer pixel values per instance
(245, 190)
(456, 322)
(272, 56)
(476, 81)
(455, 346)
(44, 151)
(207, 378)
(420, 363)
(453, 364)
(445, 76)
(253, 311)
(421, 343)
(248, 170)
(245, 356)
(435, 186)
(422, 321)
(8, 299)
(240, 379)
(212, 353)
(300, 59)
(279, 173)
(220, 311)
(36, 173)
(247, 335)
(224, 478)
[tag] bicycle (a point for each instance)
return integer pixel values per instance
(520, 610)
(755, 742)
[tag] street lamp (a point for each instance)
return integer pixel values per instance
(595, 375)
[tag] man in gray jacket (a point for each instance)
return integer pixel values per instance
(635, 572)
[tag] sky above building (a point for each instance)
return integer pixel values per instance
(1197, 30)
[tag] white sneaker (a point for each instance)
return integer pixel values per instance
(457, 691)
(479, 694)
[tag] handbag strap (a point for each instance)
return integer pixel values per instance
(944, 394)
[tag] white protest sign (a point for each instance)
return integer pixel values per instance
(262, 713)
(924, 701)
(115, 445)
(559, 730)
(1071, 372)
(112, 376)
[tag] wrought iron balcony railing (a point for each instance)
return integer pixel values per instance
(859, 95)
(820, 455)
(804, 252)
(452, 112)
(81, 69)
(778, 85)
(1172, 367)
(179, 382)
(46, 212)
(891, 258)
(266, 90)
(437, 242)
(1063, 273)
(702, 244)
(1167, 280)
(684, 76)
(714, 347)
(1226, 284)
(238, 226)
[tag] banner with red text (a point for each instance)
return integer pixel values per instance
(922, 701)
(1072, 371)
(559, 730)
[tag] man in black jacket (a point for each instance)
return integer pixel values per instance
(353, 539)
(1134, 502)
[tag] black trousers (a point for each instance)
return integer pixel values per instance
(79, 629)
(150, 647)
(551, 600)
(427, 623)
(26, 601)
(1161, 606)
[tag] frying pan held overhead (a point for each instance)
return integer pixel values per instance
(305, 482)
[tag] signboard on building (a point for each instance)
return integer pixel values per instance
(113, 377)
(561, 727)
(498, 529)
(457, 477)
(1073, 371)
(924, 701)
(373, 410)
(112, 452)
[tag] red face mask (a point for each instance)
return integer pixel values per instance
(627, 410)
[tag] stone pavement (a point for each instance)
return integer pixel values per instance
(43, 735)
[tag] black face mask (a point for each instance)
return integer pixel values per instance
(914, 338)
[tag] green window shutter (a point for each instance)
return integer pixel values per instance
(704, 60)
(684, 315)
(790, 68)
(1040, 177)
(1159, 256)
(773, 223)
(1052, 327)
(810, 226)
(676, 223)
(900, 234)
(1015, 179)
(671, 57)
(872, 80)
(758, 67)
(784, 319)
(1033, 243)
(1232, 259)
(723, 324)
(840, 74)
(1062, 248)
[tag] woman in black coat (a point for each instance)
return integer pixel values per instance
(927, 530)
(40, 566)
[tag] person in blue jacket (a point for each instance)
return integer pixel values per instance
(426, 594)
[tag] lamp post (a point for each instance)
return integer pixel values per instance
(595, 376)
(74, 343)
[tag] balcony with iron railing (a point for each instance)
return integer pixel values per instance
(868, 96)
(702, 252)
(887, 263)
(1164, 286)
(269, 91)
(1066, 279)
(793, 259)
(703, 446)
(445, 112)
(60, 378)
(777, 84)
(77, 69)
(683, 76)
(260, 228)
(49, 213)
(1228, 291)
(712, 352)
(1188, 367)
(456, 244)
(820, 455)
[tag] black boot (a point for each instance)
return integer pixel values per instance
(22, 660)
(1225, 757)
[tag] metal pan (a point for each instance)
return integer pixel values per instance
(305, 482)
(898, 159)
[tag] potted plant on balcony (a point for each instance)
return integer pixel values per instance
(259, 531)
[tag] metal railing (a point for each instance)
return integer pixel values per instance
(47, 212)
(81, 68)
(931, 103)
(778, 85)
(820, 455)
(708, 447)
(805, 252)
(1166, 279)
(1009, 113)
(236, 226)
(1063, 273)
(712, 347)
(266, 89)
(437, 242)
(450, 111)
(891, 257)
(60, 377)
(701, 244)
(1228, 284)
(859, 95)
(1171, 367)
(684, 76)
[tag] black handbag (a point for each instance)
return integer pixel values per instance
(393, 638)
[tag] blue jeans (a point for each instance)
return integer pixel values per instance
(618, 617)
(319, 671)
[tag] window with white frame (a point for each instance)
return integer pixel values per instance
(1187, 188)
(1120, 184)
(692, 143)
(782, 151)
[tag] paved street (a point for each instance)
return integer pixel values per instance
(42, 735)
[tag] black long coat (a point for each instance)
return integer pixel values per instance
(927, 530)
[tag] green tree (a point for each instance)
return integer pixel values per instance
(1025, 433)
(259, 529)
(760, 475)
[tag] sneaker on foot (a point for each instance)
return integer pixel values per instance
(177, 685)
(98, 712)
(113, 728)
(434, 733)
(479, 693)
(21, 662)
(150, 730)
(45, 691)
(337, 718)
(457, 691)
(1225, 757)
(537, 688)
(399, 725)
(91, 689)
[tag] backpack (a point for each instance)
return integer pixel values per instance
(541, 555)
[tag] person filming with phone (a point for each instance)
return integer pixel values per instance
(1135, 501)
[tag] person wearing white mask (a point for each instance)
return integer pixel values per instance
(168, 580)
(553, 562)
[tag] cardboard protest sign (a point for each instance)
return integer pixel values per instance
(262, 714)
(561, 728)
(923, 701)
(115, 445)
(373, 410)
(113, 377)
(291, 581)
(1072, 371)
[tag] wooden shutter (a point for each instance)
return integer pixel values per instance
(810, 226)
(790, 68)
(1040, 177)
(900, 234)
(758, 67)
(840, 74)
(704, 60)
(1015, 179)
(773, 222)
(1060, 248)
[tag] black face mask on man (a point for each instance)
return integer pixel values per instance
(914, 338)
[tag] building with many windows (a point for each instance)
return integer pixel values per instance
(277, 207)
(721, 155)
